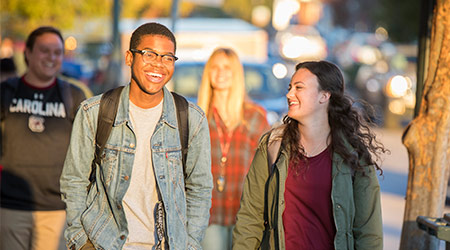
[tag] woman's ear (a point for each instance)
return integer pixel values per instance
(324, 97)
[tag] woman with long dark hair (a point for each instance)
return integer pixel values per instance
(322, 192)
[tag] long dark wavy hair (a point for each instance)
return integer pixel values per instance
(348, 124)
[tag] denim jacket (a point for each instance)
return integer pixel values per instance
(98, 214)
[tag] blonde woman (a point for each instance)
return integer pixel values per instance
(235, 126)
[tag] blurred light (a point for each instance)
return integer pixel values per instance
(381, 67)
(283, 11)
(381, 34)
(373, 85)
(410, 100)
(397, 86)
(399, 61)
(261, 16)
(70, 43)
(299, 46)
(367, 55)
(279, 70)
(397, 107)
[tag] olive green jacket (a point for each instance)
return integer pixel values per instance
(356, 204)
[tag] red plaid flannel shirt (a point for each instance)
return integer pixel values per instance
(244, 141)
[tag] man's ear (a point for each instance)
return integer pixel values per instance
(128, 58)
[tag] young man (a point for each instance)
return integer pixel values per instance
(36, 120)
(141, 166)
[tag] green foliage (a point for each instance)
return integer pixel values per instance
(20, 17)
(401, 18)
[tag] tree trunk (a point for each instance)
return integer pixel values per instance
(427, 139)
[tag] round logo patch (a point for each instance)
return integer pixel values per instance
(36, 123)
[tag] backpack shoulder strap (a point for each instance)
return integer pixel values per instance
(106, 115)
(66, 95)
(7, 90)
(273, 146)
(183, 124)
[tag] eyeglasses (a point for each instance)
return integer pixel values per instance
(148, 56)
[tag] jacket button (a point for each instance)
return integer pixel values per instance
(132, 145)
(126, 177)
(119, 207)
(122, 237)
(338, 206)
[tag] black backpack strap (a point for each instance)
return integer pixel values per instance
(67, 98)
(106, 116)
(7, 91)
(183, 125)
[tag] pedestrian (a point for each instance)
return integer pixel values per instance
(37, 113)
(235, 125)
(7, 68)
(321, 192)
(142, 196)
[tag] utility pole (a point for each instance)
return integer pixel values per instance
(114, 72)
(174, 14)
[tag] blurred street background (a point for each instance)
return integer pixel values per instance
(374, 42)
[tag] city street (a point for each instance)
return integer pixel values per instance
(393, 187)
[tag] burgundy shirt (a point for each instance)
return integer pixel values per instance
(308, 219)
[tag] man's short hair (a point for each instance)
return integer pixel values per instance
(151, 29)
(39, 32)
(31, 39)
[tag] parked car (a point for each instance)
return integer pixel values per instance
(263, 87)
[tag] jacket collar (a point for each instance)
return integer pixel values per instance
(168, 115)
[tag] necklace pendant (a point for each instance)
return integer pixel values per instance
(223, 159)
(220, 184)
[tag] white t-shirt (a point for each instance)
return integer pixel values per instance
(141, 197)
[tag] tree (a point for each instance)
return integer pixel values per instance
(427, 138)
(20, 17)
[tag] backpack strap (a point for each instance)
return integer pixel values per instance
(67, 98)
(183, 125)
(273, 146)
(7, 91)
(106, 116)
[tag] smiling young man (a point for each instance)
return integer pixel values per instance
(141, 173)
(36, 120)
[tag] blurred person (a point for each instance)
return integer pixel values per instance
(235, 125)
(36, 119)
(7, 68)
(322, 191)
(141, 174)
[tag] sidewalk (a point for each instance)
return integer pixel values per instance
(393, 187)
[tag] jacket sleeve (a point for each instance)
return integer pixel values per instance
(249, 228)
(198, 180)
(367, 225)
(75, 177)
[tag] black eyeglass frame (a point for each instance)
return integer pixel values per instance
(142, 52)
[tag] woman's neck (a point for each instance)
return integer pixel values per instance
(220, 103)
(315, 136)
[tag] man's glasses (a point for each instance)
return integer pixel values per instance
(148, 56)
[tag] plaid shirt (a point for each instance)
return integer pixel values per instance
(244, 141)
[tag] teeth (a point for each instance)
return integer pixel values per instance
(154, 74)
(292, 103)
(47, 64)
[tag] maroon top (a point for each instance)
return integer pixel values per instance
(308, 219)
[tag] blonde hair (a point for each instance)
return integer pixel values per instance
(235, 101)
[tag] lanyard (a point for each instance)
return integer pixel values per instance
(225, 142)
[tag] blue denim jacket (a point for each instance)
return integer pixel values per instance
(97, 213)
